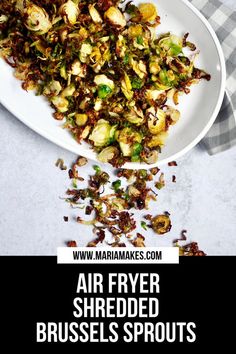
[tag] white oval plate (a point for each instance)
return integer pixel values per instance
(198, 110)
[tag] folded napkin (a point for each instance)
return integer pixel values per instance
(222, 135)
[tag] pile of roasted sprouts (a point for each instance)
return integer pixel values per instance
(104, 70)
(109, 207)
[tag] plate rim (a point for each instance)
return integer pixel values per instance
(201, 135)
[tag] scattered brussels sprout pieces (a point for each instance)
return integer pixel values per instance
(159, 86)
(135, 158)
(128, 134)
(103, 80)
(131, 9)
(135, 31)
(86, 132)
(81, 119)
(154, 66)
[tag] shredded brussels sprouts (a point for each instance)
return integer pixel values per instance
(103, 70)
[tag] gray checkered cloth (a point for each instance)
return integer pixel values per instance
(222, 135)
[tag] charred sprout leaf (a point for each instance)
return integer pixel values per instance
(102, 178)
